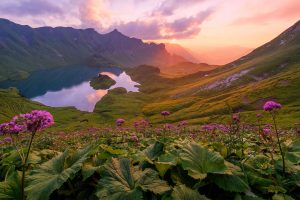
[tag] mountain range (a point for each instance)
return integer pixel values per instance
(269, 72)
(24, 49)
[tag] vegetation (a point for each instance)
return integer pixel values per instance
(102, 82)
(170, 161)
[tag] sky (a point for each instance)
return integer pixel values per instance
(215, 31)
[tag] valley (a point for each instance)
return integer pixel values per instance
(85, 115)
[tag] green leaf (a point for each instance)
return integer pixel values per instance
(199, 161)
(88, 170)
(52, 174)
(11, 188)
(148, 180)
(282, 197)
(122, 181)
(231, 183)
(151, 152)
(293, 152)
(112, 151)
(181, 192)
(165, 162)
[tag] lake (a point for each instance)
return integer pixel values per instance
(70, 86)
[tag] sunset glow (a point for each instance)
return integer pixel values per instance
(226, 29)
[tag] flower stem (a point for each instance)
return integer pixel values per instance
(278, 141)
(24, 166)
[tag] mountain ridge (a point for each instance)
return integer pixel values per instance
(24, 49)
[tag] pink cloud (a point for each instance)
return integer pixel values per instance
(159, 29)
(151, 26)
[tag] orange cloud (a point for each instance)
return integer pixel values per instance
(94, 13)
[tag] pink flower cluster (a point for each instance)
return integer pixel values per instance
(169, 127)
(120, 121)
(236, 117)
(182, 123)
(11, 128)
(165, 113)
(140, 125)
(271, 105)
(214, 126)
(134, 138)
(30, 122)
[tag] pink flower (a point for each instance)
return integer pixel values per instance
(259, 115)
(271, 105)
(298, 131)
(165, 113)
(134, 138)
(11, 128)
(266, 131)
(208, 127)
(193, 136)
(120, 121)
(236, 117)
(36, 120)
(169, 126)
(7, 139)
(182, 123)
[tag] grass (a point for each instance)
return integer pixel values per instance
(102, 82)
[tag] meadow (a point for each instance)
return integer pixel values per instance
(142, 160)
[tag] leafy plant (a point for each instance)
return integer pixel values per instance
(120, 180)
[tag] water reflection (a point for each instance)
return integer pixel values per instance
(62, 88)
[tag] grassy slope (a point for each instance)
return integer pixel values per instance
(184, 69)
(274, 74)
(102, 82)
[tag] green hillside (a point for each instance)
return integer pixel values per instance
(243, 85)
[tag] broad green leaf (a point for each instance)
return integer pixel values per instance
(113, 151)
(199, 161)
(231, 183)
(221, 148)
(151, 152)
(165, 162)
(118, 181)
(11, 188)
(293, 152)
(181, 192)
(88, 169)
(148, 180)
(52, 174)
(282, 197)
(122, 181)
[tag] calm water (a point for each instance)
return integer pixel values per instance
(69, 86)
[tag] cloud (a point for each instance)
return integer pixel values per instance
(160, 29)
(30, 8)
(94, 13)
(152, 25)
(168, 7)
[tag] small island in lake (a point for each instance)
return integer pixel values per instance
(102, 82)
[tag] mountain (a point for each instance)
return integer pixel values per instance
(24, 49)
(270, 72)
(176, 49)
